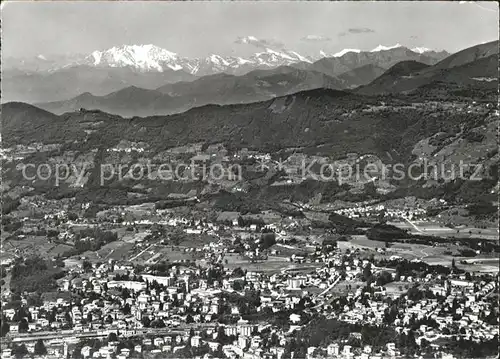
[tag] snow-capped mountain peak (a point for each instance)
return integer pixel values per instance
(242, 61)
(385, 48)
(153, 58)
(300, 57)
(280, 54)
(219, 60)
(273, 58)
(345, 51)
(141, 57)
(420, 50)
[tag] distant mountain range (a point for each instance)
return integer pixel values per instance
(476, 66)
(383, 57)
(149, 57)
(261, 85)
(44, 79)
(258, 85)
(153, 58)
(69, 82)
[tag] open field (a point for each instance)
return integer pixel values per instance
(476, 264)
(301, 268)
(155, 253)
(286, 250)
(415, 251)
(196, 241)
(272, 264)
(235, 260)
(432, 228)
(173, 253)
(132, 237)
(430, 254)
(117, 250)
(361, 241)
(264, 266)
(486, 233)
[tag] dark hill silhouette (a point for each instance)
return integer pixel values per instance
(481, 73)
(470, 54)
(259, 85)
(361, 75)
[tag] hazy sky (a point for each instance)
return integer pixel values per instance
(201, 28)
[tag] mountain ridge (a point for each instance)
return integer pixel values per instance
(150, 57)
(222, 88)
(460, 68)
(260, 85)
